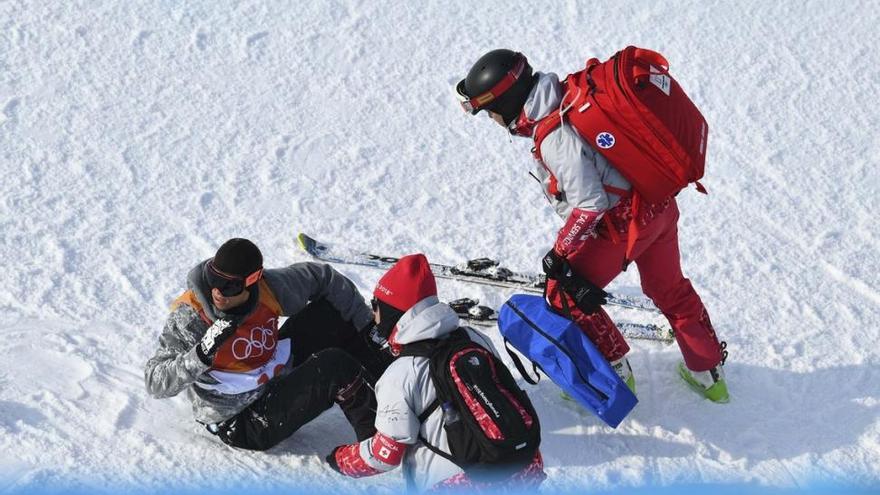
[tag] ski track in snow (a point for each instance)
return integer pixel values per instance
(134, 139)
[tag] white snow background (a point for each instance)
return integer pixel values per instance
(135, 137)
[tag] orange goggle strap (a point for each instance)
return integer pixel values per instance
(248, 281)
(253, 278)
(472, 104)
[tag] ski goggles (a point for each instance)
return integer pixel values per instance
(474, 104)
(229, 285)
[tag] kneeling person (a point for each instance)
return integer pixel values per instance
(446, 389)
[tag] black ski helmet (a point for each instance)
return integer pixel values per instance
(500, 81)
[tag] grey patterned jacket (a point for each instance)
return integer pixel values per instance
(175, 367)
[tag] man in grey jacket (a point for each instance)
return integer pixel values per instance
(253, 382)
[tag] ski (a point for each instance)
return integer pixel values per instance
(483, 271)
(473, 313)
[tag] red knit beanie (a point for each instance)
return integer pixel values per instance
(407, 282)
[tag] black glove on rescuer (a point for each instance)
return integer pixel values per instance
(554, 265)
(586, 296)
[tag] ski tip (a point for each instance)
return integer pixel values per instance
(306, 243)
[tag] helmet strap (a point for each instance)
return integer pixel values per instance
(523, 126)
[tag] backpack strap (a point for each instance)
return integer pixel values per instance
(424, 417)
(425, 348)
(422, 348)
(544, 127)
(634, 230)
(650, 58)
(611, 229)
(429, 410)
(437, 451)
(547, 125)
(623, 193)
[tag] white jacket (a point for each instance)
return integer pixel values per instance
(405, 390)
(581, 172)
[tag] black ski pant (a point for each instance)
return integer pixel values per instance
(333, 364)
(320, 326)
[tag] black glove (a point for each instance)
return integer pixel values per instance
(222, 329)
(366, 329)
(331, 460)
(370, 333)
(554, 265)
(586, 296)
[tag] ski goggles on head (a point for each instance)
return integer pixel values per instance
(474, 104)
(229, 285)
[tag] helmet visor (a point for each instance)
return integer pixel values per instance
(464, 100)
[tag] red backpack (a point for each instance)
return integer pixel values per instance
(631, 110)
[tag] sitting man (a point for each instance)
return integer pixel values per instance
(250, 382)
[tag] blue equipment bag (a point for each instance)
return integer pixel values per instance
(560, 349)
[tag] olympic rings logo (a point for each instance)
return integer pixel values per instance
(260, 341)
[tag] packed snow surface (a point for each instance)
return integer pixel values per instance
(135, 137)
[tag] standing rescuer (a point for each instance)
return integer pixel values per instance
(253, 382)
(597, 205)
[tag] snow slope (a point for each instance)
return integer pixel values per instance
(135, 137)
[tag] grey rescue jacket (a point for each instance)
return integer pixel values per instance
(405, 390)
(175, 367)
(581, 172)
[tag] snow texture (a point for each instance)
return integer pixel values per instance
(135, 137)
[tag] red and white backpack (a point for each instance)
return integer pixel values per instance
(632, 111)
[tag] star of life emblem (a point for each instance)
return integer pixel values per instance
(605, 140)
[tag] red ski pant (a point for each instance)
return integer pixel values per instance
(657, 257)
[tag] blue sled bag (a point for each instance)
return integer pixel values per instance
(559, 348)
